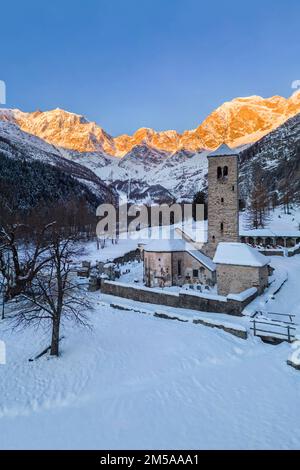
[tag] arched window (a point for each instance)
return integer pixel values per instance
(222, 226)
(225, 171)
(219, 172)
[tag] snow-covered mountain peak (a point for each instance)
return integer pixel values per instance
(240, 121)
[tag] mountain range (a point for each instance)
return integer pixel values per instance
(237, 122)
(155, 166)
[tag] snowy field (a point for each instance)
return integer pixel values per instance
(278, 222)
(136, 381)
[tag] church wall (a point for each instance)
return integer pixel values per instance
(157, 269)
(175, 268)
(232, 279)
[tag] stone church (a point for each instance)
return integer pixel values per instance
(222, 260)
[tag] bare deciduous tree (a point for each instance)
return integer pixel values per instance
(6, 277)
(27, 256)
(54, 294)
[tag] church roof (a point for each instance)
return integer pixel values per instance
(165, 246)
(239, 254)
(223, 150)
(201, 257)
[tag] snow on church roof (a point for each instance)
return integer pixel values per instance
(239, 254)
(163, 246)
(203, 259)
(223, 150)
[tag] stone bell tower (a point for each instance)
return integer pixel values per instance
(223, 198)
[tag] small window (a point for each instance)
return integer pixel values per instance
(225, 171)
(213, 238)
(179, 267)
(232, 187)
(222, 200)
(219, 172)
(195, 273)
(202, 270)
(222, 226)
(158, 259)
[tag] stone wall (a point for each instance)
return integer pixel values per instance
(223, 200)
(181, 300)
(235, 279)
(137, 294)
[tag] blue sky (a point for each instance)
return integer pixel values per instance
(164, 64)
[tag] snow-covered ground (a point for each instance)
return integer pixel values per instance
(136, 381)
(279, 223)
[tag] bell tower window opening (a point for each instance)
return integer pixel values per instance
(225, 171)
(219, 172)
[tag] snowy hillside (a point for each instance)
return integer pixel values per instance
(19, 147)
(278, 222)
(278, 156)
(136, 381)
(182, 174)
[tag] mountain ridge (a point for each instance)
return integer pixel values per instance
(146, 174)
(241, 121)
